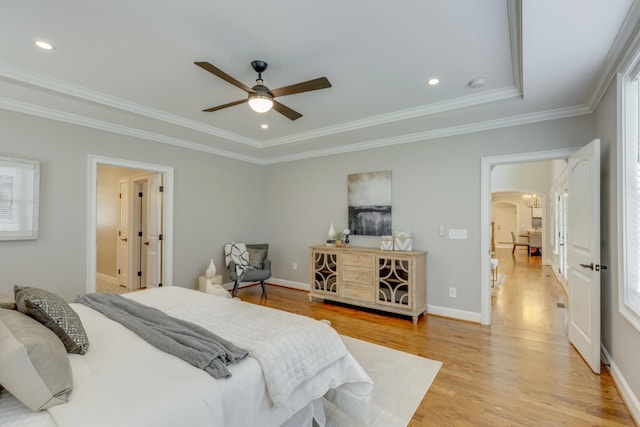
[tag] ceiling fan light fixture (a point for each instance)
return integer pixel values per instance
(260, 103)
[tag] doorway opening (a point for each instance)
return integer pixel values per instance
(487, 165)
(157, 231)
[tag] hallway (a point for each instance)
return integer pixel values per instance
(530, 296)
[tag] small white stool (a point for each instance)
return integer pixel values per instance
(494, 271)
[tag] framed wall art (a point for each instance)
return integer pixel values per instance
(370, 203)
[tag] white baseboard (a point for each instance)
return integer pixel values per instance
(275, 281)
(630, 399)
(454, 313)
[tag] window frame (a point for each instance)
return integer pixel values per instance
(629, 170)
(27, 198)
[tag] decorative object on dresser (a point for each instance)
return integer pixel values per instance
(386, 243)
(346, 232)
(369, 201)
(372, 278)
(402, 241)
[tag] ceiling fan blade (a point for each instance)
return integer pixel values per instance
(286, 111)
(320, 83)
(231, 104)
(224, 76)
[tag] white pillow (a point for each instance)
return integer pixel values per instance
(34, 365)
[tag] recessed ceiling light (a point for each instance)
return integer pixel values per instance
(43, 45)
(264, 126)
(433, 81)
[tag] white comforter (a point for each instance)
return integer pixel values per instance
(124, 381)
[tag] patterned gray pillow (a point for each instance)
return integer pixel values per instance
(54, 313)
(256, 257)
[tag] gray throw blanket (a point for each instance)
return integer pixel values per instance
(190, 342)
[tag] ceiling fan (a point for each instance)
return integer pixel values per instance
(261, 98)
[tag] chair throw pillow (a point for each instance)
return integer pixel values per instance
(54, 313)
(257, 257)
(35, 364)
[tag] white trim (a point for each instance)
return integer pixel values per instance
(453, 313)
(92, 200)
(437, 133)
(630, 399)
(486, 163)
(290, 284)
(74, 119)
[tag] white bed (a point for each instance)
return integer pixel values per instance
(124, 381)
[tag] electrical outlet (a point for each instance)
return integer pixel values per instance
(452, 292)
(295, 266)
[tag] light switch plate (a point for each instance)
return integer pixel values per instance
(457, 234)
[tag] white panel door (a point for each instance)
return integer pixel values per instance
(506, 222)
(584, 252)
(122, 262)
(154, 230)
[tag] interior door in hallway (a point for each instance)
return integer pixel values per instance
(154, 230)
(122, 252)
(584, 253)
(506, 222)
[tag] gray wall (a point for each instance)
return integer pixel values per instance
(434, 183)
(216, 200)
(619, 337)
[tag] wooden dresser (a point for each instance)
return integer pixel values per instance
(391, 281)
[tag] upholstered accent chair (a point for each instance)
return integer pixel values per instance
(260, 272)
(517, 243)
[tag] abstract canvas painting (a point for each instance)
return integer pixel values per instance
(370, 203)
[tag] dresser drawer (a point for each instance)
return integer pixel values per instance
(363, 293)
(357, 259)
(357, 275)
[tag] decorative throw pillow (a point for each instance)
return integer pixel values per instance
(256, 257)
(54, 313)
(35, 364)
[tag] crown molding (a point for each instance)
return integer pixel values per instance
(75, 91)
(618, 57)
(522, 119)
(61, 116)
(411, 113)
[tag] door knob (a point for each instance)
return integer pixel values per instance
(124, 240)
(146, 243)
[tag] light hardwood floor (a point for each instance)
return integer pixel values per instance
(520, 371)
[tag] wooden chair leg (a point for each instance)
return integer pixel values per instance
(235, 289)
(264, 289)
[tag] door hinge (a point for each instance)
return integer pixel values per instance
(161, 189)
(160, 237)
(139, 233)
(139, 273)
(159, 285)
(120, 195)
(118, 271)
(140, 194)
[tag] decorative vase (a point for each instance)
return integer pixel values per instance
(211, 270)
(338, 243)
(332, 232)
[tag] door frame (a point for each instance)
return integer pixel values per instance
(92, 208)
(486, 164)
